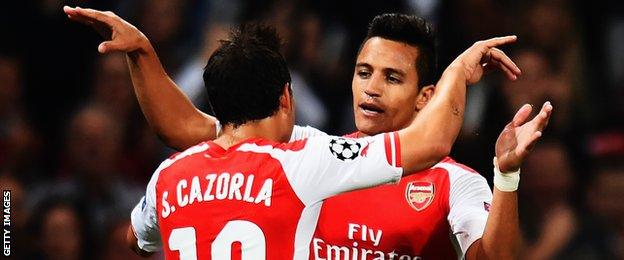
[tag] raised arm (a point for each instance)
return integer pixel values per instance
(168, 111)
(431, 135)
(501, 237)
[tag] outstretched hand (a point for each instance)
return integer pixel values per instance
(119, 34)
(483, 56)
(519, 136)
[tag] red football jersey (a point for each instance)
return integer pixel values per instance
(433, 214)
(257, 199)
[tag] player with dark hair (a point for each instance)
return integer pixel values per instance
(414, 31)
(448, 199)
(393, 40)
(153, 85)
(247, 98)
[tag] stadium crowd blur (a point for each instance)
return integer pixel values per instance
(76, 152)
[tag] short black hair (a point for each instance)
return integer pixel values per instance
(412, 30)
(246, 75)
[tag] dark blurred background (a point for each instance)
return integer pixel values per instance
(77, 153)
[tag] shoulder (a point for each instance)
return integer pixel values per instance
(466, 184)
(455, 167)
(352, 135)
(198, 148)
(175, 158)
(460, 175)
(301, 132)
(312, 142)
(457, 170)
(268, 146)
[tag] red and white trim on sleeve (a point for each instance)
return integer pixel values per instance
(393, 149)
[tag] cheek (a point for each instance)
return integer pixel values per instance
(355, 85)
(355, 91)
(402, 100)
(402, 107)
(401, 113)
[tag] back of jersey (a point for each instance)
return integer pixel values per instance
(214, 203)
(257, 199)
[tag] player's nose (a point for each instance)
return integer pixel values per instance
(373, 87)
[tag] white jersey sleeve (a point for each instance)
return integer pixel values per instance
(323, 166)
(302, 132)
(145, 221)
(144, 217)
(470, 198)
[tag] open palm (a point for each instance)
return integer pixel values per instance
(519, 136)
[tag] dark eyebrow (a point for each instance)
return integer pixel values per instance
(364, 64)
(386, 70)
(394, 71)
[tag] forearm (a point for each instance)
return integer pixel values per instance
(168, 111)
(501, 238)
(431, 135)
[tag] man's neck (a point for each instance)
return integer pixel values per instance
(231, 136)
(362, 134)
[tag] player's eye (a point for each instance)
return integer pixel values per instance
(393, 79)
(363, 74)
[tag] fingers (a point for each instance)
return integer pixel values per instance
(522, 115)
(104, 47)
(494, 64)
(493, 57)
(104, 17)
(547, 107)
(80, 19)
(86, 14)
(498, 41)
(505, 63)
(528, 146)
(73, 15)
(110, 46)
(544, 116)
(540, 121)
(68, 10)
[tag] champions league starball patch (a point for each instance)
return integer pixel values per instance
(419, 194)
(344, 149)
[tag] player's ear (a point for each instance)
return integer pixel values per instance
(286, 99)
(424, 95)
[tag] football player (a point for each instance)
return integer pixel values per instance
(388, 93)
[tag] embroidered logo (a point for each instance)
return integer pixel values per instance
(419, 194)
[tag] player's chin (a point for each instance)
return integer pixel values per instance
(369, 126)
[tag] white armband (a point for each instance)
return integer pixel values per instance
(507, 181)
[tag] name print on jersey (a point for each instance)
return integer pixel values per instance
(214, 186)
